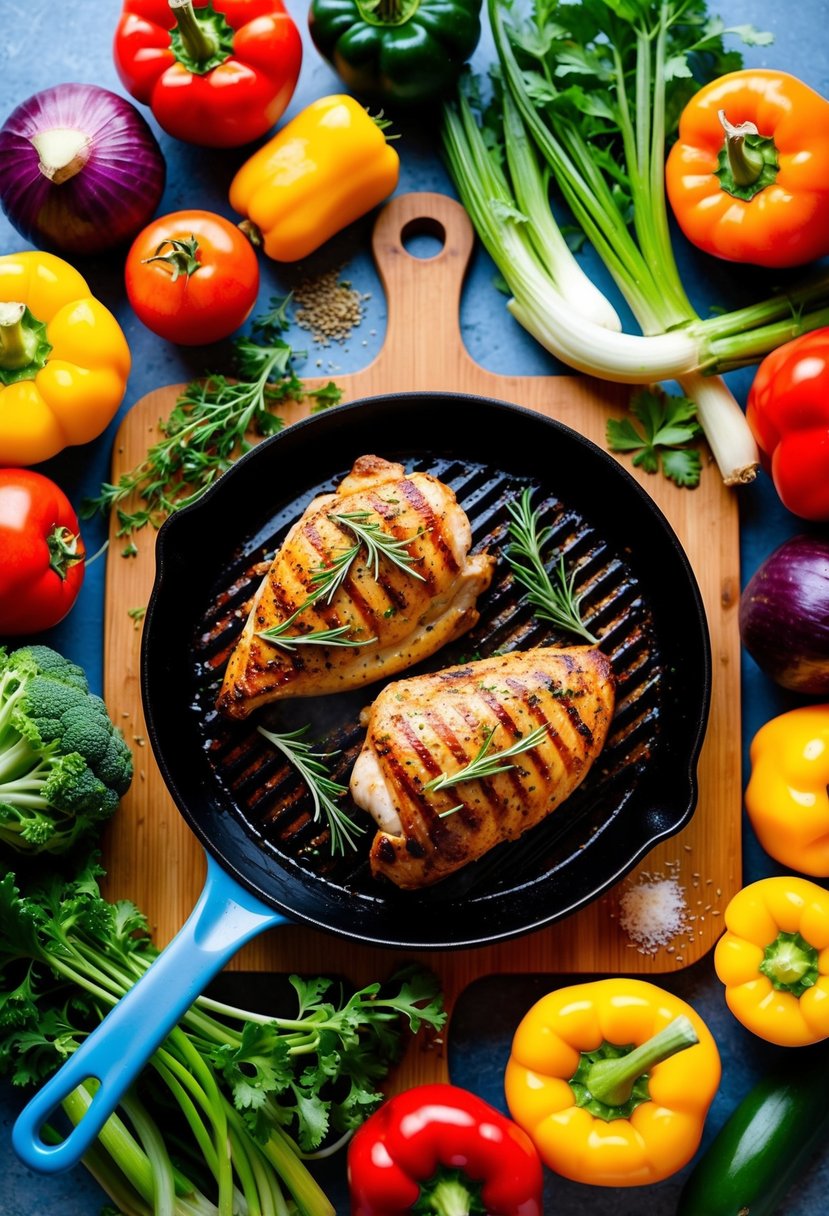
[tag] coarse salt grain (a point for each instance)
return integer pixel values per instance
(653, 912)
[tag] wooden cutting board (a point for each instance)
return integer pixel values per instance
(152, 857)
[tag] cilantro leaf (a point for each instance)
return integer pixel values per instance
(683, 466)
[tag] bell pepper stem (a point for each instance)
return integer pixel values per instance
(791, 963)
(18, 341)
(611, 1081)
(450, 1198)
(387, 12)
(746, 165)
(195, 39)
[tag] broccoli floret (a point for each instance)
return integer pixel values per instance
(63, 765)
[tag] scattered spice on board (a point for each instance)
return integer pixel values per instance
(328, 307)
(653, 912)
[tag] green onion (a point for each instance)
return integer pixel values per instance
(605, 153)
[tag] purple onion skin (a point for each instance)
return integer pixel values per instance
(109, 200)
(784, 615)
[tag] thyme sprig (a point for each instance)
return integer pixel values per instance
(325, 580)
(553, 597)
(489, 764)
(323, 789)
(208, 427)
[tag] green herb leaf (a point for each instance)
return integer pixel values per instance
(208, 428)
(668, 423)
(323, 790)
(489, 764)
(552, 596)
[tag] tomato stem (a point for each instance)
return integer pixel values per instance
(181, 256)
(63, 550)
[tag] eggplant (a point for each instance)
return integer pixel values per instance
(784, 615)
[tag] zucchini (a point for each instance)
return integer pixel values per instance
(766, 1143)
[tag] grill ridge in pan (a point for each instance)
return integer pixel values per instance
(251, 809)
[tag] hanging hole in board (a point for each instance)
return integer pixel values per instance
(423, 238)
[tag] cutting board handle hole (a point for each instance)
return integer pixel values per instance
(423, 238)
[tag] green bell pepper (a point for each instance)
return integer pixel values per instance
(407, 52)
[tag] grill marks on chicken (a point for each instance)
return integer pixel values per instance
(394, 617)
(436, 724)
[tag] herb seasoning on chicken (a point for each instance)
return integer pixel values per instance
(370, 580)
(457, 761)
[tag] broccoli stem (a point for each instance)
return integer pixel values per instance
(18, 759)
(12, 689)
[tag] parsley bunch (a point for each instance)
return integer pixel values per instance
(220, 1108)
(209, 426)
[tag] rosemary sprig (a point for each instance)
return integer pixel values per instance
(337, 636)
(553, 598)
(486, 763)
(207, 428)
(323, 789)
(378, 543)
(325, 580)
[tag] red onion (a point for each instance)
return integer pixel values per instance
(784, 615)
(82, 171)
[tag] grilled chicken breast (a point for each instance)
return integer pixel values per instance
(421, 728)
(396, 616)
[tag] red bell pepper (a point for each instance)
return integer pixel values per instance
(218, 73)
(788, 412)
(441, 1149)
(42, 564)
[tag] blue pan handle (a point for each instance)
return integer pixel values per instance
(225, 917)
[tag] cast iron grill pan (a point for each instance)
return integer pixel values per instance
(248, 805)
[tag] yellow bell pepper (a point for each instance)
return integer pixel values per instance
(774, 960)
(787, 798)
(64, 361)
(323, 170)
(612, 1081)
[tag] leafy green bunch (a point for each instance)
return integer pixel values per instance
(210, 426)
(218, 1121)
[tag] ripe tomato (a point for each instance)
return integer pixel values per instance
(41, 553)
(192, 277)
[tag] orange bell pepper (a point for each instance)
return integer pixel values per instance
(323, 170)
(774, 960)
(748, 177)
(612, 1081)
(64, 361)
(787, 798)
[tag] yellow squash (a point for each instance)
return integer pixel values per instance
(774, 960)
(323, 170)
(64, 361)
(612, 1080)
